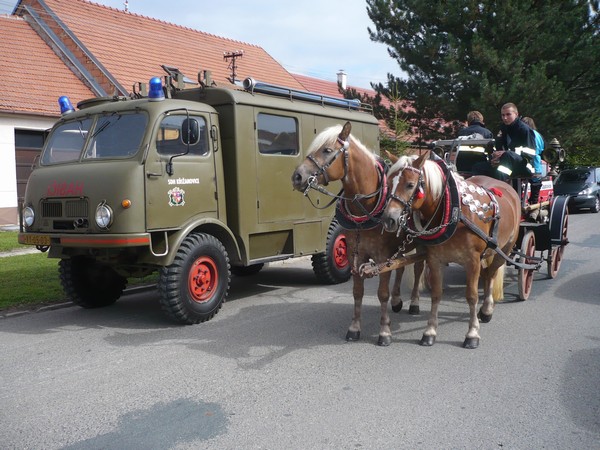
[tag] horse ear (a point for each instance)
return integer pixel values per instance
(420, 161)
(393, 158)
(346, 131)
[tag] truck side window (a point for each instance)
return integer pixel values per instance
(169, 140)
(277, 135)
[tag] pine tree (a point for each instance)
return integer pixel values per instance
(462, 55)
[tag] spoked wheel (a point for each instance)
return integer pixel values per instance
(556, 254)
(526, 275)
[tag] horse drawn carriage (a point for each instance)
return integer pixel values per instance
(542, 239)
(437, 212)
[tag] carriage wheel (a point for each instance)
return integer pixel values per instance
(556, 254)
(526, 275)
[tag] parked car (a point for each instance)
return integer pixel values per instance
(583, 185)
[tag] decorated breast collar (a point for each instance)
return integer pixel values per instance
(370, 219)
(450, 206)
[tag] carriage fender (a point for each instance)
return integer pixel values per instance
(209, 226)
(557, 215)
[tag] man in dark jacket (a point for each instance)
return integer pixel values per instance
(514, 144)
(476, 126)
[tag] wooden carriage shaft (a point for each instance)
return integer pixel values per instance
(369, 270)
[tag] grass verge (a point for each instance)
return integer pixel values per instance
(32, 279)
(29, 280)
(8, 241)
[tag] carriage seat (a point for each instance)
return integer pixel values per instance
(464, 153)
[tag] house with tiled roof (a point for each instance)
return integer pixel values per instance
(33, 77)
(82, 49)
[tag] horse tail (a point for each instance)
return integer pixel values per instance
(498, 284)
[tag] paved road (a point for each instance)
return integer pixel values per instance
(272, 370)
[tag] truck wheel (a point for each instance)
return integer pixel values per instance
(333, 266)
(244, 271)
(90, 284)
(194, 287)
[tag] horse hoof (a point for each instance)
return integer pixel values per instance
(471, 343)
(397, 308)
(352, 335)
(414, 310)
(384, 341)
(484, 318)
(427, 341)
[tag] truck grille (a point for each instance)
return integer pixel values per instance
(76, 208)
(51, 209)
(65, 208)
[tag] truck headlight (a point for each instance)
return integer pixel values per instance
(104, 216)
(28, 216)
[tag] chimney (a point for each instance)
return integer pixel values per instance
(342, 79)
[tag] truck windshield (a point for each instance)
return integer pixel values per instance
(110, 135)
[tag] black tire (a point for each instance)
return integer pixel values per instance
(333, 266)
(90, 284)
(244, 271)
(596, 207)
(194, 287)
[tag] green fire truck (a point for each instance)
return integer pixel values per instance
(192, 183)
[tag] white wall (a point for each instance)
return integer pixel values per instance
(8, 175)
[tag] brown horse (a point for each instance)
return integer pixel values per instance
(458, 221)
(337, 155)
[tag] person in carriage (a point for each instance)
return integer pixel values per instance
(515, 148)
(475, 127)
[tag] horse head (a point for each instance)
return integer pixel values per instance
(323, 163)
(413, 183)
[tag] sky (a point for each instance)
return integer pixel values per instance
(317, 38)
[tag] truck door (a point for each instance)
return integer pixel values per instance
(180, 182)
(277, 157)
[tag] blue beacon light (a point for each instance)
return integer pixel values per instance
(65, 104)
(156, 93)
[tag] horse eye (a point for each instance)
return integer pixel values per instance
(327, 150)
(411, 185)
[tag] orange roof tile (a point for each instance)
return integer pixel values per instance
(33, 77)
(132, 47)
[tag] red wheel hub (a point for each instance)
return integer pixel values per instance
(340, 252)
(203, 279)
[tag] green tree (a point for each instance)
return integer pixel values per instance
(395, 138)
(462, 55)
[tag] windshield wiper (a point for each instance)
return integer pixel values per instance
(106, 124)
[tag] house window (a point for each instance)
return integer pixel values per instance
(277, 135)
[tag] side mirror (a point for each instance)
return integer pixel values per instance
(190, 131)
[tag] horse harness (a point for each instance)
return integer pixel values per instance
(322, 169)
(454, 193)
(368, 219)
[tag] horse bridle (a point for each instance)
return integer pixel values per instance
(322, 169)
(407, 204)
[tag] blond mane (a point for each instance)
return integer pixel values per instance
(431, 173)
(328, 137)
